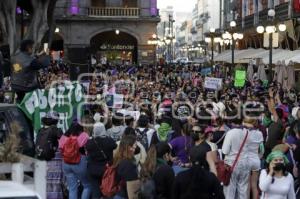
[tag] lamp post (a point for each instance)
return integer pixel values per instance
(270, 29)
(212, 37)
(153, 40)
(232, 37)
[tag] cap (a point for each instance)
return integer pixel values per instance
(52, 115)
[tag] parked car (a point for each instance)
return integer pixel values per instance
(10, 113)
(14, 190)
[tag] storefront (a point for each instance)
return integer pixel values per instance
(114, 47)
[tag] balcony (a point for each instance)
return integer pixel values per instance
(113, 12)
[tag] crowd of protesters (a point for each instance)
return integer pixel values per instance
(182, 133)
(178, 137)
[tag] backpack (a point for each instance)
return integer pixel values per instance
(45, 145)
(109, 185)
(142, 137)
(70, 152)
(147, 189)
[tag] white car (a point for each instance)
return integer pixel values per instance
(14, 190)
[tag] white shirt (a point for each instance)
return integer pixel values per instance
(281, 188)
(233, 141)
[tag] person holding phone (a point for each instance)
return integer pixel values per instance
(275, 182)
(25, 69)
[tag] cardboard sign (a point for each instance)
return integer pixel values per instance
(213, 83)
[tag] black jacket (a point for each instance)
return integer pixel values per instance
(197, 183)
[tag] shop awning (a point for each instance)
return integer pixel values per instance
(243, 56)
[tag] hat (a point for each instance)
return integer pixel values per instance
(209, 129)
(99, 130)
(277, 154)
(52, 115)
(295, 112)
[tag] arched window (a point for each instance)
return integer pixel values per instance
(98, 3)
(130, 3)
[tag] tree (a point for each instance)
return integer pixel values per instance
(8, 23)
(41, 20)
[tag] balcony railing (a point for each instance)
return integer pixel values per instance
(113, 12)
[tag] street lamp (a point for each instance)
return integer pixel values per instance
(232, 37)
(270, 29)
(212, 37)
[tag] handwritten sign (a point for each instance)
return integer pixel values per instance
(213, 83)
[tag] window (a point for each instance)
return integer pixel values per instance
(130, 3)
(98, 3)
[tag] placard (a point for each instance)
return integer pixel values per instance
(213, 83)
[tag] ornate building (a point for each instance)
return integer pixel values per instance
(115, 29)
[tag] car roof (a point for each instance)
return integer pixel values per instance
(14, 189)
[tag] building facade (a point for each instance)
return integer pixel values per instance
(117, 30)
(251, 13)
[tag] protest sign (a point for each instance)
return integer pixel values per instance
(114, 100)
(240, 78)
(63, 99)
(206, 71)
(213, 83)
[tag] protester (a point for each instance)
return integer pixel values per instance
(50, 134)
(117, 130)
(25, 69)
(99, 153)
(157, 167)
(241, 146)
(199, 137)
(197, 182)
(275, 181)
(72, 145)
(127, 172)
(181, 146)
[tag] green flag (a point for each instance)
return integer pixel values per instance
(62, 99)
(240, 77)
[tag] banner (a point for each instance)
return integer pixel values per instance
(206, 71)
(240, 77)
(213, 83)
(61, 99)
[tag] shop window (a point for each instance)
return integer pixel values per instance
(98, 3)
(130, 3)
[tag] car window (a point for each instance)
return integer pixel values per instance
(3, 127)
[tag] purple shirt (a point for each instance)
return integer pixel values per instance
(181, 146)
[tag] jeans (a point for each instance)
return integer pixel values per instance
(75, 173)
(118, 197)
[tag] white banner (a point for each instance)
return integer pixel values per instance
(213, 83)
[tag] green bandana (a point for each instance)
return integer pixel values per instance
(277, 154)
(267, 121)
(163, 131)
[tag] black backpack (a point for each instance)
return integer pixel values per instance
(46, 146)
(142, 137)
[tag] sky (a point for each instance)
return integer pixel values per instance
(179, 5)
